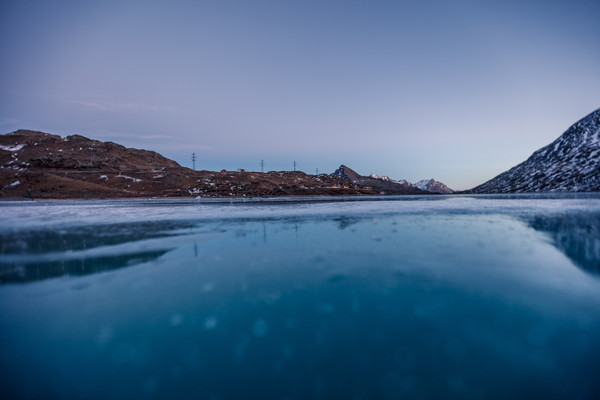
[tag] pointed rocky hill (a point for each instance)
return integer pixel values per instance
(347, 173)
(569, 164)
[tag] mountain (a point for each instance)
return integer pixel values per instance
(569, 164)
(433, 186)
(45, 166)
(390, 186)
(41, 165)
(348, 174)
(379, 185)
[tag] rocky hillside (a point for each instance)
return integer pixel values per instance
(41, 165)
(390, 186)
(569, 164)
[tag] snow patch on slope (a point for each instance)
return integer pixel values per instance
(14, 148)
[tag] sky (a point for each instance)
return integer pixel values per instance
(458, 91)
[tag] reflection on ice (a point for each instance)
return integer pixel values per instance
(30, 255)
(577, 235)
(24, 271)
(75, 238)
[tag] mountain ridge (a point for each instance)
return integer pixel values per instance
(40, 165)
(385, 184)
(568, 164)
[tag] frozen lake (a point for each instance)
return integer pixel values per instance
(384, 298)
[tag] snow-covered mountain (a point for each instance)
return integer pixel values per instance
(569, 164)
(432, 186)
(388, 185)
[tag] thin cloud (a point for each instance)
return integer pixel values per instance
(108, 106)
(185, 147)
(109, 134)
(161, 142)
(88, 104)
(8, 121)
(145, 107)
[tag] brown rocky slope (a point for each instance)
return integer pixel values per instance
(45, 166)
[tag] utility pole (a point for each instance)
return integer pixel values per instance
(262, 165)
(194, 161)
(317, 171)
(294, 165)
(92, 156)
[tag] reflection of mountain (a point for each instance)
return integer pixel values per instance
(28, 272)
(345, 222)
(31, 255)
(86, 237)
(576, 235)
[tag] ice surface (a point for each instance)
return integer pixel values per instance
(28, 214)
(419, 297)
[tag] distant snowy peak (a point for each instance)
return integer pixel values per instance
(388, 185)
(423, 184)
(387, 179)
(383, 178)
(432, 186)
(569, 164)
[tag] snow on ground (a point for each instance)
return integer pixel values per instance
(135, 180)
(383, 178)
(17, 183)
(423, 184)
(16, 147)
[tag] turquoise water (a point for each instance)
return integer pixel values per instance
(407, 297)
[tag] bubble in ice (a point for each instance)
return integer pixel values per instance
(176, 320)
(210, 323)
(260, 327)
(105, 335)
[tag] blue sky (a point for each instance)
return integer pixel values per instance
(458, 91)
